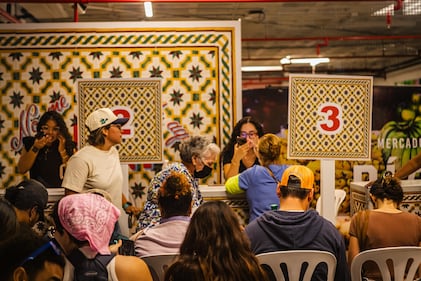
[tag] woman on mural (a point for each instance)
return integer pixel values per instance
(45, 155)
(239, 153)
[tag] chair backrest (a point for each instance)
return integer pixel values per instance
(339, 198)
(158, 264)
(294, 261)
(400, 256)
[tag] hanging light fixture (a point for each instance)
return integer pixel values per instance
(148, 9)
(311, 61)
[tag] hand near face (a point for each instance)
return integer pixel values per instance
(61, 143)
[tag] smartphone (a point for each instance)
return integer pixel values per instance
(126, 248)
(241, 140)
(39, 135)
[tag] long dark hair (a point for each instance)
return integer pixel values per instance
(237, 131)
(215, 237)
(64, 131)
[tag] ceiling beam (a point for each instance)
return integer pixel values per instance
(177, 1)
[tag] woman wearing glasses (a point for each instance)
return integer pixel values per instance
(238, 154)
(45, 155)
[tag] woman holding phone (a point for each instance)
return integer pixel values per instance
(239, 154)
(45, 155)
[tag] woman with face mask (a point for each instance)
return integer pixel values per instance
(198, 156)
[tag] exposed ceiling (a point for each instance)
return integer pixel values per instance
(356, 42)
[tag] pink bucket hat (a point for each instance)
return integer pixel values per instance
(89, 217)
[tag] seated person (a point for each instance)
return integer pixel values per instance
(384, 226)
(26, 256)
(175, 204)
(297, 227)
(215, 245)
(84, 224)
(260, 181)
(8, 221)
(29, 199)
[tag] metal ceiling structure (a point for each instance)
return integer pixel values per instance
(360, 37)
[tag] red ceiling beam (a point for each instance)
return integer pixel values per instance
(175, 1)
(336, 38)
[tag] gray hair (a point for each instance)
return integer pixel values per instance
(196, 146)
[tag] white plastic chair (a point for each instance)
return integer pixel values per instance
(339, 198)
(400, 256)
(158, 264)
(294, 261)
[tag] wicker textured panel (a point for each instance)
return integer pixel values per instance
(340, 104)
(137, 99)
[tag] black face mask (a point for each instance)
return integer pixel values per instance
(206, 171)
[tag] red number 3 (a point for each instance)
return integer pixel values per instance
(332, 122)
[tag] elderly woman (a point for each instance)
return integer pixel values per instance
(198, 155)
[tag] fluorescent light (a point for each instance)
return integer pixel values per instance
(148, 9)
(261, 68)
(311, 61)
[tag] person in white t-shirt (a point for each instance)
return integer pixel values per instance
(97, 165)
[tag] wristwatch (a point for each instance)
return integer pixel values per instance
(34, 149)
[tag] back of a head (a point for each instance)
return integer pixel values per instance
(387, 189)
(28, 194)
(186, 268)
(297, 181)
(175, 196)
(214, 228)
(28, 250)
(215, 238)
(87, 217)
(269, 149)
(8, 220)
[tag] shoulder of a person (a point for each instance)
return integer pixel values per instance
(131, 268)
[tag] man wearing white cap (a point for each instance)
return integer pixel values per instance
(97, 165)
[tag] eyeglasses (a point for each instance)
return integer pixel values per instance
(54, 129)
(32, 256)
(250, 134)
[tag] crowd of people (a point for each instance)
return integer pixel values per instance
(76, 242)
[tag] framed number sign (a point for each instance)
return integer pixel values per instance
(329, 117)
(139, 100)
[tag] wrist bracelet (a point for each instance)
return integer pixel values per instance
(126, 205)
(34, 149)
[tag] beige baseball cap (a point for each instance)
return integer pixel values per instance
(103, 117)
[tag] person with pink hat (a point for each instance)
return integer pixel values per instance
(83, 225)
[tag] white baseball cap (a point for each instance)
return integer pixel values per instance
(103, 117)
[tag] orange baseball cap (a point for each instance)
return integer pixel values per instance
(298, 176)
